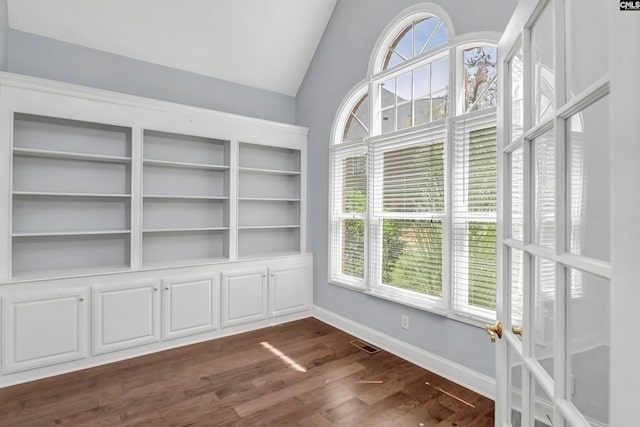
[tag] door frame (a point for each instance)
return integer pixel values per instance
(625, 229)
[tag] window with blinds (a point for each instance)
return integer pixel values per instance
(414, 179)
(409, 215)
(474, 215)
(348, 216)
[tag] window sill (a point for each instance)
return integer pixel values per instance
(431, 308)
(347, 285)
(458, 317)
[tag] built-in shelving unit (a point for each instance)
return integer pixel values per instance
(130, 226)
(186, 198)
(71, 198)
(105, 183)
(268, 200)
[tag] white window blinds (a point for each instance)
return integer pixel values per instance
(349, 192)
(474, 215)
(409, 214)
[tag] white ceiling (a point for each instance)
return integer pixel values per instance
(267, 44)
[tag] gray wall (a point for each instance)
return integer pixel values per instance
(341, 62)
(4, 34)
(38, 56)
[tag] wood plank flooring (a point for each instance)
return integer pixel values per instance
(300, 373)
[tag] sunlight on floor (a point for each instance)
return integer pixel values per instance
(283, 356)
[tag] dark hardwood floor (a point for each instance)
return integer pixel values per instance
(300, 373)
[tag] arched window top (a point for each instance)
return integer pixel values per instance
(357, 124)
(416, 31)
(418, 37)
(420, 74)
(353, 123)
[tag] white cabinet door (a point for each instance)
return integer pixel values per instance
(190, 306)
(42, 330)
(244, 297)
(125, 316)
(288, 291)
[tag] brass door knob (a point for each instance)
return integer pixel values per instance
(494, 330)
(516, 330)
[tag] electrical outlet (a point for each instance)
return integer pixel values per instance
(404, 322)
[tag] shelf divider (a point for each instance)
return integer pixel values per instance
(268, 171)
(184, 230)
(267, 227)
(182, 196)
(186, 165)
(58, 194)
(70, 233)
(33, 152)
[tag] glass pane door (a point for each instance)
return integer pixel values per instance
(553, 360)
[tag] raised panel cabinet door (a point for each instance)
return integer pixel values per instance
(125, 316)
(42, 330)
(244, 297)
(288, 291)
(190, 306)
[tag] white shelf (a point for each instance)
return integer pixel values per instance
(66, 175)
(269, 171)
(179, 230)
(266, 227)
(71, 207)
(180, 196)
(268, 254)
(56, 194)
(179, 246)
(268, 241)
(185, 165)
(184, 181)
(269, 186)
(50, 134)
(48, 253)
(190, 220)
(187, 262)
(71, 233)
(265, 157)
(269, 202)
(184, 149)
(69, 155)
(69, 272)
(267, 199)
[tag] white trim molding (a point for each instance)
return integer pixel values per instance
(459, 374)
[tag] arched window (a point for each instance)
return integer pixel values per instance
(357, 125)
(413, 169)
(415, 39)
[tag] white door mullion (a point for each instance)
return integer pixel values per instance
(503, 205)
(528, 306)
(561, 368)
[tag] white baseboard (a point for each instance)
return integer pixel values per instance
(459, 374)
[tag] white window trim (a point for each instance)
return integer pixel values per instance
(453, 49)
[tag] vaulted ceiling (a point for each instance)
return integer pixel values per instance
(267, 44)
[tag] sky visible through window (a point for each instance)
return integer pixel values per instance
(416, 39)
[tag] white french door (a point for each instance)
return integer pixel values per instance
(554, 240)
